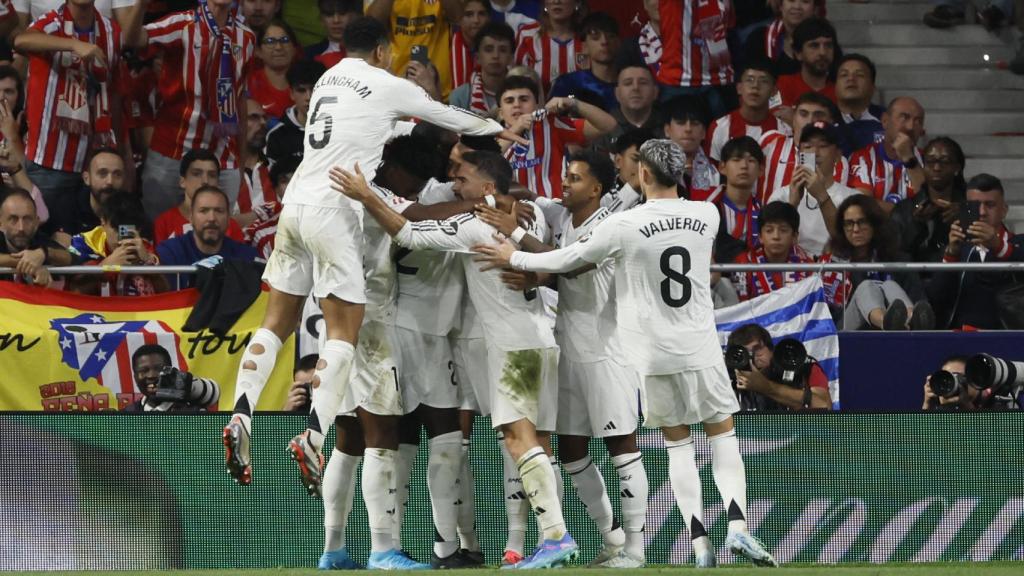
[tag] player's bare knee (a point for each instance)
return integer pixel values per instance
(257, 349)
(315, 383)
(321, 364)
(248, 365)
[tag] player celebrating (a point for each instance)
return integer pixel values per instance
(521, 349)
(319, 244)
(669, 336)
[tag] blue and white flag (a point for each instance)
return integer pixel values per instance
(796, 311)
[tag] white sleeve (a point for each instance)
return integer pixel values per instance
(456, 234)
(552, 210)
(411, 100)
(599, 245)
(393, 201)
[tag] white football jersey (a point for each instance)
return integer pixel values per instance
(511, 320)
(352, 114)
(430, 284)
(664, 312)
(378, 264)
(621, 199)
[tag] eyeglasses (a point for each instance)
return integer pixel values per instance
(272, 40)
(752, 81)
(859, 223)
(930, 160)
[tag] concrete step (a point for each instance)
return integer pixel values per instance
(972, 56)
(979, 123)
(934, 100)
(1008, 168)
(991, 146)
(845, 12)
(888, 34)
(954, 78)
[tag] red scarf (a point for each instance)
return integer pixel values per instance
(773, 39)
(477, 95)
(709, 25)
(84, 105)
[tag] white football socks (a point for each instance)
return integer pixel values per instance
(633, 493)
(403, 470)
(592, 492)
(262, 353)
(540, 486)
(338, 489)
(682, 473)
(730, 478)
(379, 495)
(467, 503)
(331, 383)
(517, 506)
(443, 467)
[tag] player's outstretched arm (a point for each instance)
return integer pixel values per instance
(504, 254)
(354, 186)
(414, 101)
(507, 223)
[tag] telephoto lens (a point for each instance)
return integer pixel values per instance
(788, 359)
(947, 384)
(986, 371)
(737, 357)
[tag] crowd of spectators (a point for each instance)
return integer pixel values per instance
(138, 133)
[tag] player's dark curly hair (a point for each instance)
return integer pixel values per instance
(600, 166)
(493, 166)
(364, 34)
(415, 155)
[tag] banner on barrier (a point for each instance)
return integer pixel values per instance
(63, 352)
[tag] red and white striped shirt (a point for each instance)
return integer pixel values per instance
(541, 166)
(694, 52)
(779, 161)
(58, 83)
(256, 189)
(732, 125)
(886, 178)
(740, 222)
(188, 48)
(260, 235)
(753, 284)
(463, 62)
(550, 57)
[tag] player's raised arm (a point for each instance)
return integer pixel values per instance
(414, 101)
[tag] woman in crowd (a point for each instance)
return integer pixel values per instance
(277, 47)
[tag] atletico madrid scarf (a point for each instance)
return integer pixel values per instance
(478, 95)
(222, 77)
(709, 26)
(773, 39)
(84, 106)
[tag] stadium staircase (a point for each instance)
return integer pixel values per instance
(959, 75)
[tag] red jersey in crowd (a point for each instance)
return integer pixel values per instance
(740, 222)
(753, 284)
(732, 125)
(792, 87)
(885, 178)
(256, 189)
(693, 41)
(138, 89)
(326, 52)
(780, 159)
(191, 103)
(463, 62)
(550, 57)
(541, 165)
(172, 223)
(260, 235)
(68, 103)
(274, 100)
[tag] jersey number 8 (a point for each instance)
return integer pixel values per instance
(674, 276)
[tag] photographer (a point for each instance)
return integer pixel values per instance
(166, 389)
(761, 389)
(959, 397)
(298, 399)
(981, 382)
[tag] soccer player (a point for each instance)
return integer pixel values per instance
(597, 397)
(668, 336)
(626, 154)
(521, 349)
(319, 244)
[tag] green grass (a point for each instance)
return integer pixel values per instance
(931, 569)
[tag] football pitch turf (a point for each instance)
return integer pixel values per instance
(922, 569)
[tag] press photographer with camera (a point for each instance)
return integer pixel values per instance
(769, 376)
(165, 388)
(981, 382)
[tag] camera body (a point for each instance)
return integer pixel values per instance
(173, 386)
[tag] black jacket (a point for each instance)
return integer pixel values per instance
(923, 240)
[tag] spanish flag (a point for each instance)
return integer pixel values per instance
(64, 352)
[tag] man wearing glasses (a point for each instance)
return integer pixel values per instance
(753, 118)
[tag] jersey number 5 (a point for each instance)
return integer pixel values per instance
(674, 276)
(318, 143)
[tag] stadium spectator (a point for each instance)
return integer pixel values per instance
(121, 239)
(494, 47)
(775, 41)
(970, 298)
(626, 155)
(476, 14)
(756, 391)
(891, 170)
(206, 56)
(198, 168)
(299, 395)
(29, 11)
(738, 205)
(209, 220)
(778, 230)
(260, 233)
(685, 70)
(286, 138)
(413, 23)
(334, 16)
(882, 300)
(992, 14)
(81, 84)
(963, 400)
(541, 165)
(256, 189)
(258, 14)
(12, 143)
(780, 149)
(855, 89)
(755, 88)
(815, 46)
(148, 361)
(686, 124)
(814, 192)
(104, 175)
(551, 46)
(922, 222)
(644, 49)
(268, 85)
(600, 35)
(25, 248)
(636, 92)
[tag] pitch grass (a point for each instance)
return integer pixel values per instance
(933, 569)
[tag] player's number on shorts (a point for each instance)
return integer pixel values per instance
(318, 143)
(675, 276)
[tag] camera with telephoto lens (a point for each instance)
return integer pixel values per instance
(947, 384)
(182, 387)
(985, 371)
(737, 358)
(788, 360)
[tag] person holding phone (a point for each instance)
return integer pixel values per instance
(978, 235)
